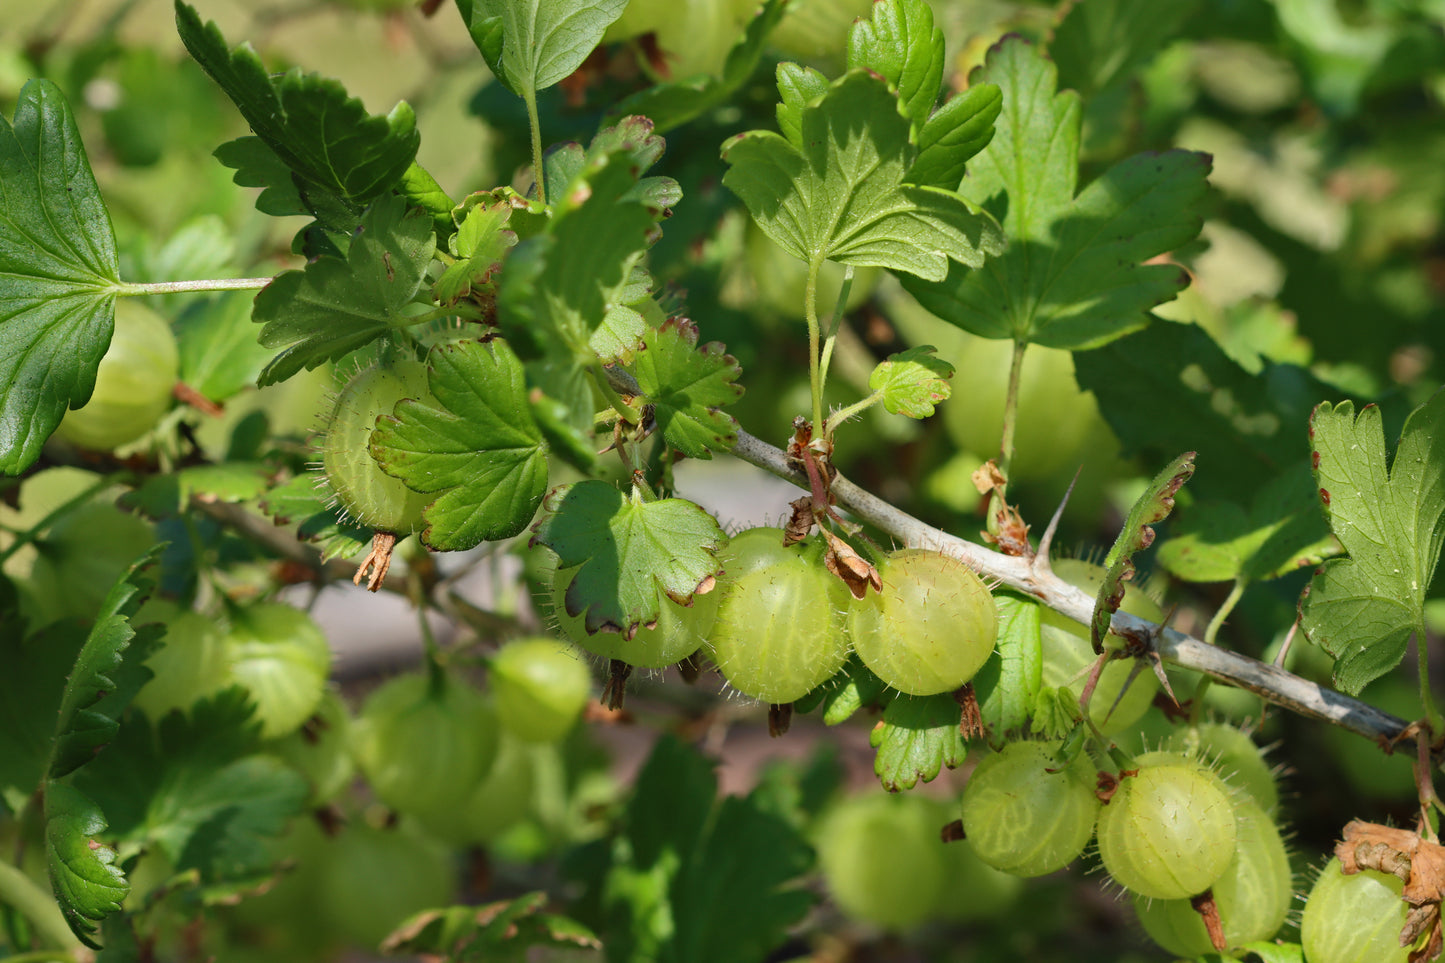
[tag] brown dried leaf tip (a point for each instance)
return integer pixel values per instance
(1013, 534)
(856, 571)
(1418, 862)
(800, 522)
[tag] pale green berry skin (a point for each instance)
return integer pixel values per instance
(1023, 819)
(133, 385)
(424, 745)
(779, 630)
(1355, 918)
(373, 879)
(1233, 754)
(540, 686)
(282, 658)
(1068, 653)
(1169, 831)
(370, 496)
(1253, 895)
(322, 752)
(882, 858)
(680, 630)
(930, 629)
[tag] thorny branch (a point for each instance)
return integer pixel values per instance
(1033, 577)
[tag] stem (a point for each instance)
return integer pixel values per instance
(132, 290)
(843, 414)
(815, 376)
(530, 97)
(40, 908)
(1225, 607)
(833, 325)
(34, 531)
(1270, 682)
(1422, 660)
(1010, 413)
(604, 385)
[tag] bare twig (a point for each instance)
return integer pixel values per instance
(1267, 681)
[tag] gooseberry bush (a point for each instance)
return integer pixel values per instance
(1159, 279)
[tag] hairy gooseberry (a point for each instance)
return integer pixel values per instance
(779, 629)
(1025, 819)
(1252, 897)
(281, 657)
(133, 385)
(679, 632)
(191, 663)
(321, 749)
(882, 858)
(1233, 754)
(371, 496)
(930, 629)
(373, 879)
(1169, 830)
(1355, 918)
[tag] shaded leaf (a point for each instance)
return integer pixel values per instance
(916, 738)
(319, 132)
(630, 552)
(1074, 275)
(473, 444)
(1362, 609)
(1008, 684)
(482, 932)
(836, 191)
(955, 133)
(686, 386)
(1102, 41)
(899, 42)
(30, 690)
(305, 501)
(58, 272)
(335, 306)
(219, 353)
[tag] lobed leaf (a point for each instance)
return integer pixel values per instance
(836, 190)
(325, 137)
(630, 552)
(58, 272)
(335, 306)
(1362, 609)
(686, 386)
(83, 874)
(912, 381)
(916, 738)
(899, 43)
(474, 444)
(1075, 274)
(464, 933)
(318, 518)
(1008, 684)
(532, 44)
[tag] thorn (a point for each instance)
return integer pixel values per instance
(1041, 559)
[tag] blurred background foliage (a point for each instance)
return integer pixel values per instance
(1323, 248)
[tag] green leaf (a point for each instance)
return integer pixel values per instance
(95, 694)
(219, 353)
(1074, 275)
(257, 165)
(1362, 609)
(632, 136)
(955, 134)
(305, 501)
(335, 306)
(473, 443)
(798, 86)
(481, 241)
(319, 132)
(532, 44)
(558, 286)
(422, 191)
(836, 191)
(630, 552)
(674, 103)
(1008, 684)
(1153, 506)
(1171, 387)
(912, 381)
(915, 739)
(852, 688)
(1283, 531)
(1276, 952)
(686, 386)
(83, 874)
(165, 496)
(900, 43)
(57, 273)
